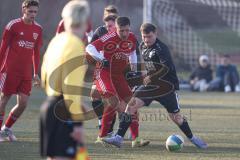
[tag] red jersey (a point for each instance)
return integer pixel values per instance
(60, 27)
(20, 48)
(116, 50)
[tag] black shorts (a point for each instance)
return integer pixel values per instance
(168, 99)
(55, 137)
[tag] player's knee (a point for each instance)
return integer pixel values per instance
(176, 118)
(4, 99)
(113, 101)
(95, 94)
(22, 103)
(139, 103)
(134, 104)
(132, 110)
(97, 103)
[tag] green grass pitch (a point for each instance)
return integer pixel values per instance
(213, 116)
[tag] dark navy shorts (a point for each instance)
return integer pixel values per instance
(150, 93)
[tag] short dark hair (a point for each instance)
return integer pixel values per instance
(110, 9)
(110, 17)
(148, 27)
(123, 21)
(29, 3)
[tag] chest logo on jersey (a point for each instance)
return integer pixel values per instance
(21, 33)
(123, 46)
(35, 36)
(151, 54)
(26, 44)
(126, 45)
(110, 46)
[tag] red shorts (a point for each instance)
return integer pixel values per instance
(13, 84)
(114, 85)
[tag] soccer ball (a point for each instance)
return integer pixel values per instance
(174, 143)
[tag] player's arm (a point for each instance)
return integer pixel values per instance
(133, 61)
(95, 35)
(6, 39)
(60, 27)
(95, 51)
(36, 60)
(100, 31)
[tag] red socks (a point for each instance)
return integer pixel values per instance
(10, 120)
(107, 118)
(134, 127)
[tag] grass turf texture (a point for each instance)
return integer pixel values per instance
(214, 117)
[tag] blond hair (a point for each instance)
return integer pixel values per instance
(75, 12)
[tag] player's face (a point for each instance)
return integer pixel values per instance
(110, 25)
(123, 31)
(149, 38)
(30, 13)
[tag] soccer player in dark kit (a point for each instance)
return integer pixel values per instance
(160, 84)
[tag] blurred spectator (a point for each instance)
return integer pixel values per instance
(202, 75)
(227, 77)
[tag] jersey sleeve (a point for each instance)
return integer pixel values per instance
(134, 41)
(95, 49)
(60, 27)
(36, 54)
(99, 32)
(6, 39)
(98, 44)
(95, 36)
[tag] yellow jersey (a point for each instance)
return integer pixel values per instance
(63, 70)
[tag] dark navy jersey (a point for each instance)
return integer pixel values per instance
(99, 32)
(156, 58)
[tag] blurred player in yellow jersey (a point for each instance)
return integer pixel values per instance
(63, 73)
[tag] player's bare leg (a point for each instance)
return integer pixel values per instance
(97, 104)
(98, 108)
(132, 108)
(3, 102)
(182, 123)
(14, 114)
(110, 108)
(125, 121)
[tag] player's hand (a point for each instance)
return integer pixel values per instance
(147, 80)
(105, 63)
(133, 74)
(78, 134)
(36, 81)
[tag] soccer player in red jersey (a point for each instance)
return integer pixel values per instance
(20, 49)
(115, 51)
